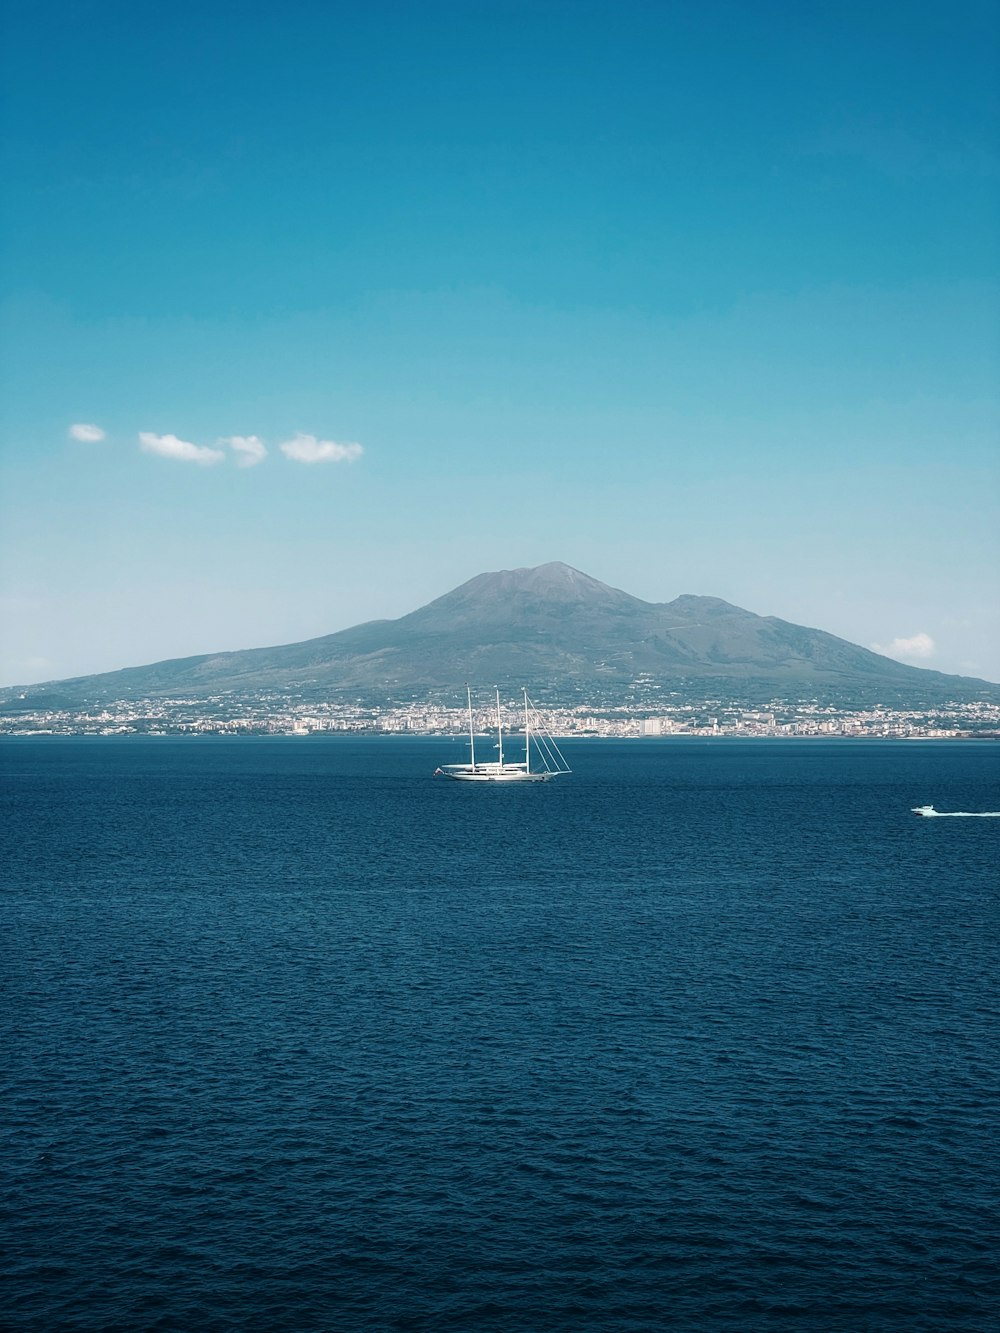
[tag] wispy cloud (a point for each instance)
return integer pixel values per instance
(307, 449)
(86, 432)
(918, 646)
(249, 449)
(169, 446)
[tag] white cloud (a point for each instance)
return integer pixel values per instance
(249, 449)
(919, 645)
(307, 449)
(169, 446)
(85, 432)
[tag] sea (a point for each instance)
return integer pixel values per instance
(702, 1036)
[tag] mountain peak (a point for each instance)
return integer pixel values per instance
(553, 579)
(690, 602)
(511, 593)
(555, 574)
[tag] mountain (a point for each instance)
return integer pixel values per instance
(559, 632)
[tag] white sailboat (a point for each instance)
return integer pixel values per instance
(548, 758)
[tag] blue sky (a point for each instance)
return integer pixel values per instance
(697, 297)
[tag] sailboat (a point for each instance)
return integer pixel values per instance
(548, 759)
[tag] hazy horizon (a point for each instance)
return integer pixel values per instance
(312, 316)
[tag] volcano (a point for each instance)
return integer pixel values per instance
(555, 630)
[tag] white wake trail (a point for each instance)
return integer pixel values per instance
(930, 813)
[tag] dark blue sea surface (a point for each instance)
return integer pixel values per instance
(703, 1036)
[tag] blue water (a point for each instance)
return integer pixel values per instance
(704, 1036)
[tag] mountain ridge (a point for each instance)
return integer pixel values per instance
(552, 628)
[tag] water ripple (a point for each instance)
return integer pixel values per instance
(705, 1038)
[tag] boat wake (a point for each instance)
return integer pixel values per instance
(929, 812)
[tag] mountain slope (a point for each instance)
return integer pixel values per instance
(555, 630)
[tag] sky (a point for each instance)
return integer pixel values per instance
(310, 312)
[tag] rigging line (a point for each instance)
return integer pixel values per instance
(550, 739)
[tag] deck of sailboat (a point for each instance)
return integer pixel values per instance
(494, 773)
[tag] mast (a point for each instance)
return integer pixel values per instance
(472, 735)
(527, 736)
(499, 728)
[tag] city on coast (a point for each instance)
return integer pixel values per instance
(270, 714)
